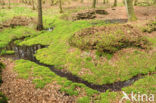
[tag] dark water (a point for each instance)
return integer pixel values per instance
(116, 21)
(111, 21)
(24, 52)
(27, 52)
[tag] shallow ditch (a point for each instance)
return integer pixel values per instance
(27, 53)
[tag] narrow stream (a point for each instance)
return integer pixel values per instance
(27, 53)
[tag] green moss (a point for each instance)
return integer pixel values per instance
(145, 85)
(83, 100)
(6, 52)
(110, 38)
(7, 35)
(75, 61)
(3, 99)
(42, 76)
(151, 26)
(106, 97)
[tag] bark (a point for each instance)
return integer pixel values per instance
(104, 1)
(60, 6)
(115, 3)
(135, 2)
(9, 4)
(40, 22)
(130, 10)
(33, 5)
(94, 4)
(154, 1)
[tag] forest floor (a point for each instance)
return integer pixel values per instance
(25, 81)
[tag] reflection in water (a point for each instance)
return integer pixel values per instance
(116, 21)
(25, 52)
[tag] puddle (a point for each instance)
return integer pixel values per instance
(27, 52)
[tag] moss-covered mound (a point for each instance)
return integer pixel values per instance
(109, 38)
(17, 21)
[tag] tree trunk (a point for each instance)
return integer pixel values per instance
(81, 1)
(130, 10)
(135, 2)
(9, 4)
(33, 5)
(154, 1)
(115, 3)
(60, 6)
(94, 4)
(40, 22)
(104, 1)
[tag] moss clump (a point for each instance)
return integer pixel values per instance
(109, 38)
(3, 99)
(151, 26)
(7, 52)
(1, 67)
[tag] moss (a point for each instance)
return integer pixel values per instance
(6, 52)
(43, 75)
(83, 100)
(7, 35)
(3, 99)
(151, 26)
(109, 38)
(144, 86)
(106, 97)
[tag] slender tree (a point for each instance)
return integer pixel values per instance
(33, 5)
(104, 1)
(115, 3)
(154, 1)
(135, 2)
(9, 4)
(40, 22)
(130, 10)
(94, 4)
(60, 6)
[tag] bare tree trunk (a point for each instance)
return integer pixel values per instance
(33, 5)
(130, 10)
(40, 22)
(9, 4)
(104, 1)
(60, 6)
(52, 2)
(94, 4)
(135, 2)
(154, 1)
(115, 3)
